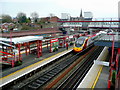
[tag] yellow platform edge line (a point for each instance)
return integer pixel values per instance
(32, 65)
(98, 75)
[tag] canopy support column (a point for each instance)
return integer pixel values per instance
(19, 54)
(25, 44)
(39, 48)
(28, 47)
(118, 50)
(50, 46)
(47, 44)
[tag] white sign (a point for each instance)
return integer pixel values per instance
(101, 63)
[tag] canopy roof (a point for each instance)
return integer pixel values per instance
(22, 39)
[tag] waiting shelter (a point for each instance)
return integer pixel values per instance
(13, 48)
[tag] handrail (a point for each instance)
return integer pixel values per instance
(6, 53)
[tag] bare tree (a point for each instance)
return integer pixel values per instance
(34, 16)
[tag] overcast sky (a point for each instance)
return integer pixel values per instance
(99, 8)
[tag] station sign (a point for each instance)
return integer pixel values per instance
(71, 36)
(101, 63)
(54, 40)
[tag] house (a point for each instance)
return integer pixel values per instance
(53, 19)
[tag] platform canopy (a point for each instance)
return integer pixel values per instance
(5, 44)
(107, 40)
(3, 39)
(110, 38)
(22, 39)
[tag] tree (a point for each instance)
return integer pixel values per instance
(28, 20)
(34, 16)
(22, 17)
(6, 18)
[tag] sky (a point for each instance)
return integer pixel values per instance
(99, 8)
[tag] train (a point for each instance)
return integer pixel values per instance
(83, 41)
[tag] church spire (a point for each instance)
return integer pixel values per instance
(81, 13)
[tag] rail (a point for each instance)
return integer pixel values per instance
(44, 78)
(78, 74)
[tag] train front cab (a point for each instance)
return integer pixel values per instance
(80, 45)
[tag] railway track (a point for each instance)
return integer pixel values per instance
(40, 79)
(35, 73)
(72, 81)
(46, 75)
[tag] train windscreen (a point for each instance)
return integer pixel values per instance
(79, 42)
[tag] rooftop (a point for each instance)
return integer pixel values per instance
(22, 39)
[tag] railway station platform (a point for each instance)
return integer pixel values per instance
(113, 42)
(102, 81)
(97, 77)
(105, 72)
(30, 63)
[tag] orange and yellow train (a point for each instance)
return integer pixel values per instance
(82, 42)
